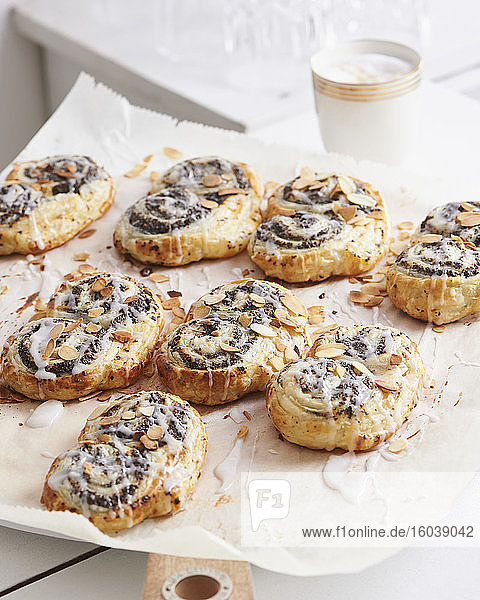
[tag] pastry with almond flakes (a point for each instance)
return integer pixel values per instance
(136, 458)
(354, 390)
(97, 333)
(319, 225)
(205, 207)
(45, 203)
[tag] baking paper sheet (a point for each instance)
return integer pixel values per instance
(95, 121)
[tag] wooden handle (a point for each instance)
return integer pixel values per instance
(173, 577)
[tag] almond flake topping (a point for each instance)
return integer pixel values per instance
(122, 336)
(439, 328)
(68, 352)
(397, 446)
(387, 385)
(106, 291)
(155, 432)
(346, 185)
(170, 303)
(95, 312)
(172, 153)
(86, 268)
(227, 348)
(347, 212)
(242, 432)
(159, 278)
(429, 238)
(294, 305)
(208, 203)
(212, 180)
(99, 284)
(263, 330)
(99, 411)
(358, 297)
(395, 359)
(86, 234)
(49, 348)
(92, 328)
(81, 256)
(469, 219)
(128, 415)
(146, 411)
(230, 190)
(57, 331)
(361, 200)
(245, 319)
(148, 443)
(213, 298)
(405, 225)
(199, 312)
(332, 350)
(136, 170)
(131, 299)
(276, 362)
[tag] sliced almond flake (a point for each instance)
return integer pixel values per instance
(178, 312)
(136, 170)
(395, 359)
(376, 214)
(49, 348)
(148, 443)
(248, 416)
(73, 325)
(208, 203)
(316, 310)
(346, 185)
(362, 200)
(263, 330)
(285, 318)
(359, 221)
(290, 354)
(99, 411)
(172, 153)
(57, 331)
(397, 446)
(439, 328)
(285, 212)
(170, 303)
(332, 350)
(279, 344)
(326, 329)
(397, 247)
(373, 301)
(212, 299)
(389, 262)
(347, 213)
(67, 352)
(154, 175)
(212, 180)
(336, 207)
(316, 319)
(307, 172)
(86, 234)
(81, 256)
(360, 367)
(106, 291)
(86, 268)
(373, 277)
(353, 280)
(404, 235)
(245, 319)
(104, 438)
(387, 385)
(469, 219)
(148, 158)
(155, 432)
(227, 348)
(159, 278)
(373, 288)
(99, 284)
(146, 411)
(230, 191)
(128, 415)
(340, 370)
(200, 312)
(92, 328)
(293, 304)
(38, 315)
(122, 336)
(96, 312)
(405, 225)
(131, 299)
(39, 303)
(257, 298)
(242, 432)
(358, 297)
(276, 362)
(429, 238)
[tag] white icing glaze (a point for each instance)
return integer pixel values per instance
(45, 414)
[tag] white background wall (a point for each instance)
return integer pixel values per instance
(21, 96)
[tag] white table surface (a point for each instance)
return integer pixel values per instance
(448, 144)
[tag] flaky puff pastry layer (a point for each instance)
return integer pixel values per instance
(60, 202)
(355, 389)
(137, 458)
(98, 334)
(235, 338)
(183, 220)
(320, 225)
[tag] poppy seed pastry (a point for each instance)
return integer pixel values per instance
(45, 203)
(319, 225)
(136, 458)
(355, 389)
(97, 333)
(234, 339)
(437, 278)
(204, 207)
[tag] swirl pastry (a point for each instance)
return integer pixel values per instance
(47, 202)
(319, 225)
(98, 333)
(354, 390)
(201, 208)
(136, 458)
(234, 338)
(436, 279)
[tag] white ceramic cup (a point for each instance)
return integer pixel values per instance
(367, 98)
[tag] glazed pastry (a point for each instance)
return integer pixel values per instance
(97, 334)
(201, 208)
(354, 390)
(319, 225)
(454, 219)
(436, 279)
(47, 202)
(234, 338)
(136, 458)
